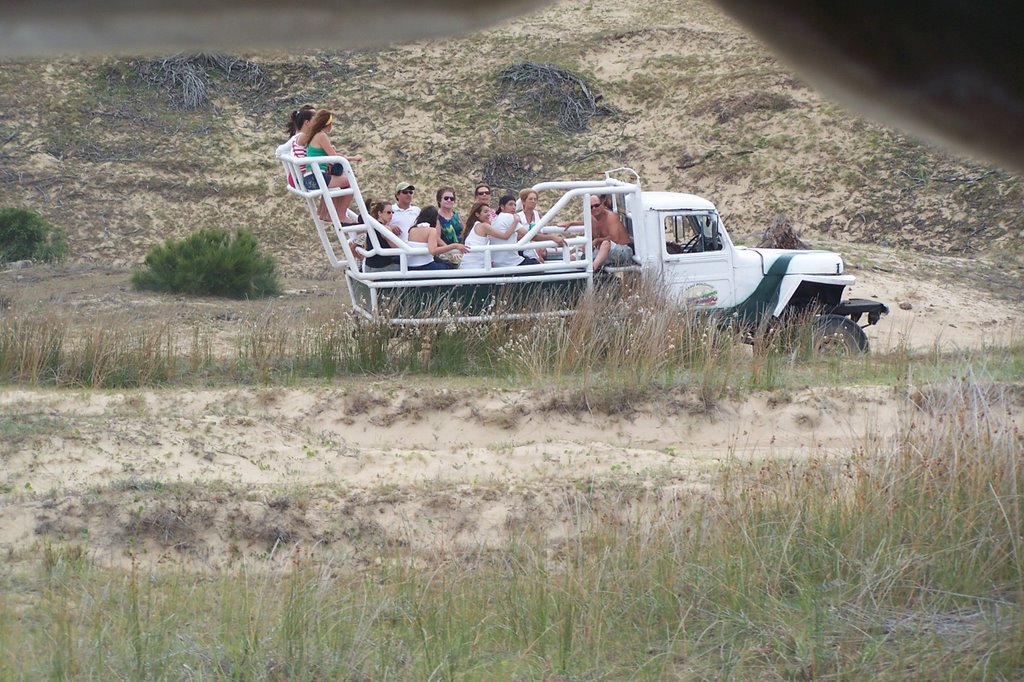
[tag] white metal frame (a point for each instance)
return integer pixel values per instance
(555, 269)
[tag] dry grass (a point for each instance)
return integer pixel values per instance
(901, 558)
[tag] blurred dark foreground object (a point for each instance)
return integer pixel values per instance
(948, 69)
(136, 27)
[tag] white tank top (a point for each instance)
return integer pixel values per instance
(474, 258)
(416, 260)
(530, 253)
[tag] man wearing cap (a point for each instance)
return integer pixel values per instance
(405, 213)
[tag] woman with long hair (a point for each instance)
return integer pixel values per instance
(479, 231)
(382, 212)
(427, 230)
(298, 123)
(318, 143)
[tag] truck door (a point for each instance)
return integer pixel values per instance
(698, 259)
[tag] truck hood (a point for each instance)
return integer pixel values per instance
(799, 262)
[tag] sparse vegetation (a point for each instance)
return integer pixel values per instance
(901, 559)
(727, 108)
(186, 78)
(26, 235)
(210, 263)
(614, 350)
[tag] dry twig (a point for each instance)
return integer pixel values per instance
(781, 235)
(186, 78)
(507, 172)
(550, 89)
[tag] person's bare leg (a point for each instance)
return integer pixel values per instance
(601, 255)
(341, 204)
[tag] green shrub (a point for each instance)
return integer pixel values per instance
(25, 235)
(210, 262)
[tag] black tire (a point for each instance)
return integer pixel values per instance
(834, 334)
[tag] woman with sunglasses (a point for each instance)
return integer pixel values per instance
(382, 212)
(482, 192)
(451, 226)
(318, 143)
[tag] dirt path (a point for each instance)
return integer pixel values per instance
(205, 477)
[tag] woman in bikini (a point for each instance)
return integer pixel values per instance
(318, 143)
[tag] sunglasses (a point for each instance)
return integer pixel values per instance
(447, 198)
(483, 192)
(406, 191)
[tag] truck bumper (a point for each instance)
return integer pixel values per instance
(855, 308)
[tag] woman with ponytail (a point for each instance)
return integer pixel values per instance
(298, 122)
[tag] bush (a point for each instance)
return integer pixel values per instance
(210, 262)
(25, 235)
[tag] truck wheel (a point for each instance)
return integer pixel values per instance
(834, 334)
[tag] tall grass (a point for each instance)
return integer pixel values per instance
(902, 559)
(615, 348)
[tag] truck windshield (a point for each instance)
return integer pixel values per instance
(692, 232)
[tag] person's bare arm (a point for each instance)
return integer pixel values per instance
(390, 234)
(330, 149)
(436, 245)
(495, 232)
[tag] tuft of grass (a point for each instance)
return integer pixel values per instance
(626, 343)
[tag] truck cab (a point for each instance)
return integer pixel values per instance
(681, 238)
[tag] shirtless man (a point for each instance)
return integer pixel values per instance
(611, 241)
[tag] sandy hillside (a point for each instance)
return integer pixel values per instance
(701, 107)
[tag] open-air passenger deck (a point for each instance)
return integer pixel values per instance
(423, 296)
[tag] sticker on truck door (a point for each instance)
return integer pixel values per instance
(701, 294)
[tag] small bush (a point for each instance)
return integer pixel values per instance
(25, 235)
(210, 262)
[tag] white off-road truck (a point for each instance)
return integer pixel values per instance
(679, 241)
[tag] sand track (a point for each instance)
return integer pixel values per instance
(207, 477)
